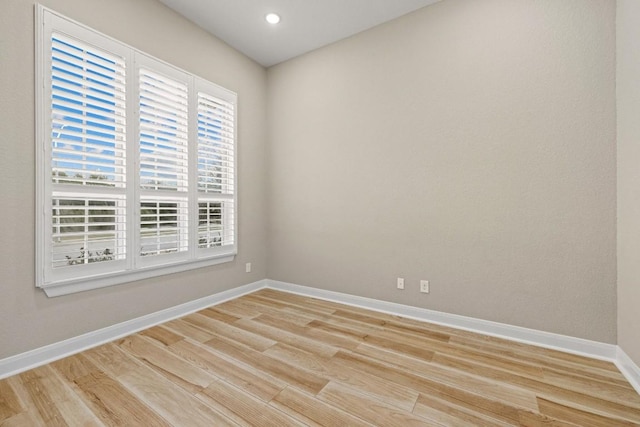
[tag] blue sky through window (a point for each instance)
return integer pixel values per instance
(84, 108)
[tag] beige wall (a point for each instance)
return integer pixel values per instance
(471, 143)
(628, 90)
(28, 319)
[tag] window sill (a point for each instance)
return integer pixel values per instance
(95, 282)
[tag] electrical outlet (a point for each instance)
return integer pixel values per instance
(400, 283)
(424, 286)
(247, 267)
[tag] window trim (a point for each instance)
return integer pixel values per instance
(133, 268)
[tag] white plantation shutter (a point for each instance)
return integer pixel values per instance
(163, 227)
(216, 223)
(164, 164)
(87, 230)
(86, 157)
(216, 171)
(163, 132)
(136, 163)
(87, 114)
(215, 145)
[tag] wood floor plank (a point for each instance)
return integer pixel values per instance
(43, 401)
(387, 339)
(281, 334)
(547, 368)
(550, 359)
(392, 326)
(248, 338)
(381, 389)
(498, 346)
(218, 315)
(169, 365)
(188, 330)
(307, 312)
(613, 392)
(397, 360)
(292, 375)
(393, 343)
(499, 401)
(235, 309)
(9, 402)
(279, 310)
(28, 418)
(312, 411)
(112, 359)
(354, 333)
(292, 317)
(372, 411)
(30, 411)
(530, 419)
(74, 367)
(589, 375)
(258, 297)
(452, 415)
(601, 403)
(73, 410)
(162, 335)
(579, 416)
(174, 404)
(507, 364)
(262, 308)
(115, 405)
(244, 409)
(252, 381)
(214, 313)
(325, 339)
(515, 396)
(275, 358)
(50, 400)
(304, 303)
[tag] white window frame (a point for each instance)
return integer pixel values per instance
(133, 266)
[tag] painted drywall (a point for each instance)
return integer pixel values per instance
(28, 319)
(470, 143)
(628, 97)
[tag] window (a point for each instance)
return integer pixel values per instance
(136, 163)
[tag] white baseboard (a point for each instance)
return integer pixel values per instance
(31, 359)
(628, 368)
(553, 341)
(567, 344)
(43, 355)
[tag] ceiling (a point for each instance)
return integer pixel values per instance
(306, 24)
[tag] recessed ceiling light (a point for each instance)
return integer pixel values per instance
(272, 18)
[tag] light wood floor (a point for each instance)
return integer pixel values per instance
(276, 359)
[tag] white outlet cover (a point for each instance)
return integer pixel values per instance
(424, 286)
(400, 284)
